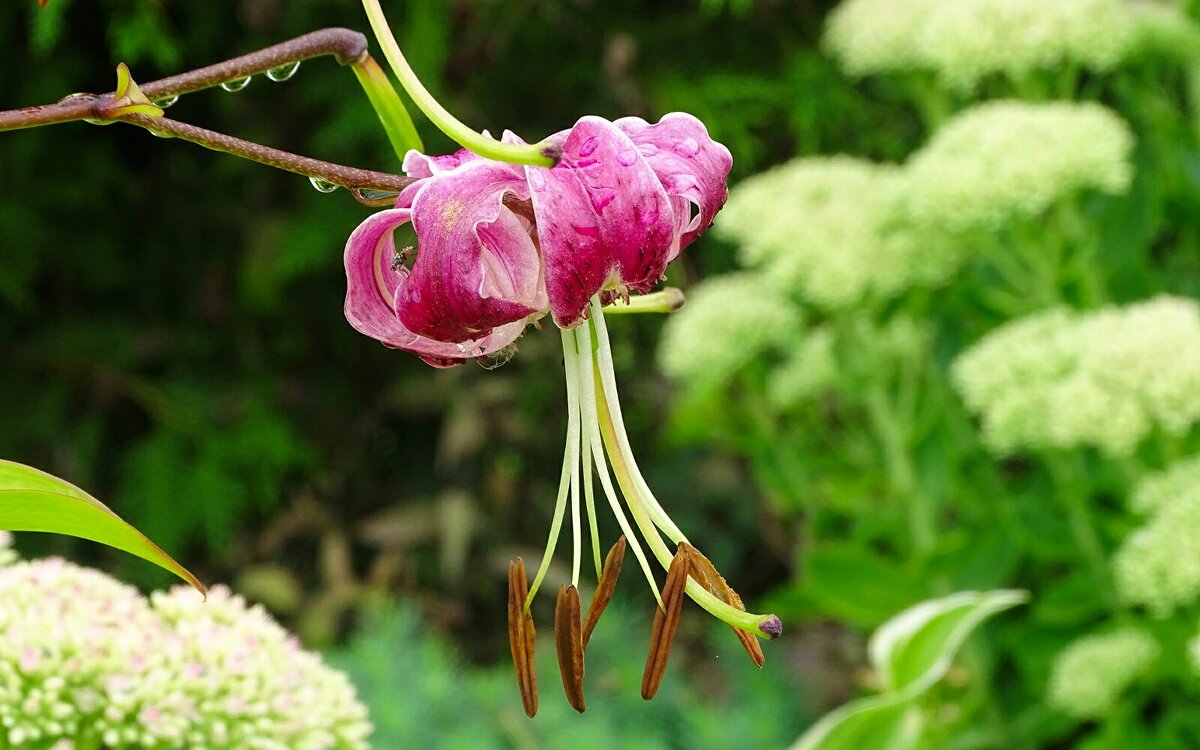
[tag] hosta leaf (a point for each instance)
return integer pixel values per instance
(882, 722)
(914, 649)
(32, 500)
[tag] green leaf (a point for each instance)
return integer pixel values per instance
(32, 500)
(910, 652)
(913, 650)
(887, 722)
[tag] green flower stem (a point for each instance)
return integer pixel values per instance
(667, 300)
(1067, 476)
(538, 154)
(391, 111)
(922, 525)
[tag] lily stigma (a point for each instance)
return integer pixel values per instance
(499, 245)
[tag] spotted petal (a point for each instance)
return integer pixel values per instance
(602, 218)
(691, 166)
(477, 266)
(370, 296)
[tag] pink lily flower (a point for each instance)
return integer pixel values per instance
(500, 246)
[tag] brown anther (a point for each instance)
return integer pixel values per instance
(569, 639)
(521, 636)
(706, 575)
(605, 588)
(666, 622)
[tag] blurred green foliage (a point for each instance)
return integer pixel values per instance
(173, 340)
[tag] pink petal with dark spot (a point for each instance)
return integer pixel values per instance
(602, 216)
(372, 284)
(692, 167)
(477, 266)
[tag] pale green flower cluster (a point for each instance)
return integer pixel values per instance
(1153, 493)
(726, 322)
(1062, 379)
(833, 231)
(807, 371)
(1009, 160)
(964, 41)
(839, 231)
(86, 661)
(1090, 674)
(1158, 565)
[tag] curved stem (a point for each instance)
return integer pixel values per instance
(542, 154)
(392, 115)
(337, 174)
(346, 46)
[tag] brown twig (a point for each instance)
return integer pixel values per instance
(346, 46)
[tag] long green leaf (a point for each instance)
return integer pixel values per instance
(32, 500)
(910, 652)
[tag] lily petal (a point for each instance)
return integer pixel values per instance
(603, 218)
(691, 166)
(477, 266)
(371, 286)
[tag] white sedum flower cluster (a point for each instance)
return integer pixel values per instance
(1063, 379)
(1008, 160)
(726, 322)
(839, 231)
(963, 42)
(833, 231)
(1091, 674)
(85, 661)
(1158, 565)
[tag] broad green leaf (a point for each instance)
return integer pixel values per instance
(913, 650)
(32, 500)
(884, 722)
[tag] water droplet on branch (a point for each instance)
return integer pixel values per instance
(374, 198)
(322, 185)
(237, 84)
(166, 101)
(283, 72)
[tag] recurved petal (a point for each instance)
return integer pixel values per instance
(477, 267)
(692, 167)
(371, 285)
(602, 217)
(419, 165)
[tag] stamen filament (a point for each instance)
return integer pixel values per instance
(590, 419)
(608, 380)
(604, 419)
(570, 362)
(533, 154)
(589, 496)
(569, 341)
